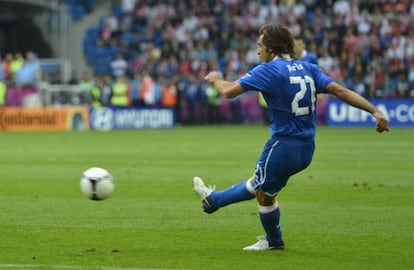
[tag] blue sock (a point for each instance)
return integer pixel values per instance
(270, 218)
(233, 194)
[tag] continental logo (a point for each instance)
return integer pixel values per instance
(19, 119)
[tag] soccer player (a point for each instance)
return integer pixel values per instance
(301, 53)
(289, 87)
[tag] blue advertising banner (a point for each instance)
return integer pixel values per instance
(106, 118)
(399, 111)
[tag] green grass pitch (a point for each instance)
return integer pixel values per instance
(353, 208)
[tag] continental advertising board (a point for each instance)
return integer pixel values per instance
(399, 111)
(44, 119)
(105, 118)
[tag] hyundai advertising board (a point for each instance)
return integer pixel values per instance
(106, 118)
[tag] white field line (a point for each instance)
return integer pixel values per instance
(14, 266)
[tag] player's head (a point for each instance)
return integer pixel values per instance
(299, 46)
(275, 40)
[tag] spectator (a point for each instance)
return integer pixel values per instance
(148, 90)
(168, 94)
(28, 73)
(213, 104)
(97, 91)
(86, 82)
(119, 66)
(2, 71)
(192, 97)
(326, 61)
(15, 65)
(120, 92)
(341, 7)
(135, 83)
(411, 72)
(6, 62)
(402, 86)
(110, 26)
(127, 9)
(3, 92)
(106, 90)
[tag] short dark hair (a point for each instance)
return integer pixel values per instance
(300, 36)
(278, 39)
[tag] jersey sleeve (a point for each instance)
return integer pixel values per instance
(256, 79)
(321, 79)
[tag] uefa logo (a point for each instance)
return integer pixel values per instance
(102, 119)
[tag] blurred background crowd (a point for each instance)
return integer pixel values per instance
(156, 53)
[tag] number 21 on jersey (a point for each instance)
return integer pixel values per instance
(306, 85)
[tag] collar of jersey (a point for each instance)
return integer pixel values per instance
(283, 56)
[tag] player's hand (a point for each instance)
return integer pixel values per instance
(213, 76)
(382, 122)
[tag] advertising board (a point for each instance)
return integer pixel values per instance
(106, 118)
(44, 119)
(399, 111)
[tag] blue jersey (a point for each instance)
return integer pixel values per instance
(309, 57)
(289, 88)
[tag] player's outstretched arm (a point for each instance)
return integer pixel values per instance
(226, 88)
(356, 100)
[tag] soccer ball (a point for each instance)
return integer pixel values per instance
(97, 184)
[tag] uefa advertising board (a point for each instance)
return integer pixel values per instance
(399, 111)
(106, 118)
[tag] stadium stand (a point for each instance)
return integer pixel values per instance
(367, 45)
(79, 8)
(368, 34)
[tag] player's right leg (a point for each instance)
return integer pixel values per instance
(213, 200)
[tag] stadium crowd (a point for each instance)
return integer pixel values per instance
(158, 52)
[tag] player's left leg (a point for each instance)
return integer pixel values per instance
(213, 200)
(269, 213)
(279, 161)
